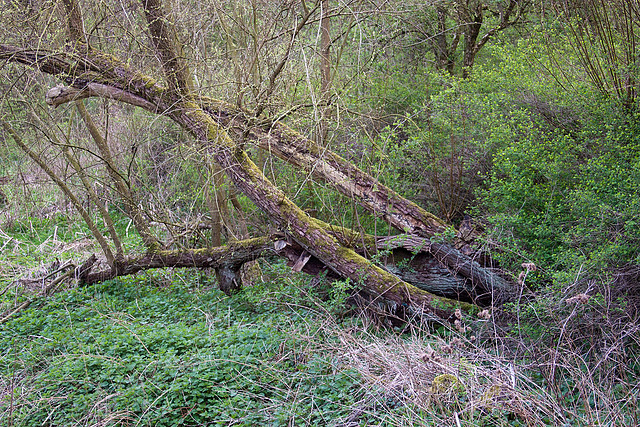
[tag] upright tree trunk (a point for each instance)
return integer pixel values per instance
(471, 19)
(325, 73)
(444, 52)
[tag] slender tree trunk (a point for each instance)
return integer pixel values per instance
(131, 206)
(104, 245)
(471, 19)
(214, 199)
(444, 52)
(325, 74)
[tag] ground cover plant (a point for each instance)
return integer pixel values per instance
(151, 353)
(168, 348)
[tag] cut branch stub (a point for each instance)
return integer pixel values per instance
(229, 279)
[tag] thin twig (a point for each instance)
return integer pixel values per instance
(50, 288)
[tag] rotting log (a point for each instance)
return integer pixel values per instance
(410, 259)
(105, 74)
(417, 268)
(227, 259)
(280, 140)
(429, 259)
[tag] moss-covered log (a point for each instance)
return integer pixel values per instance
(280, 140)
(419, 269)
(409, 258)
(228, 259)
(91, 69)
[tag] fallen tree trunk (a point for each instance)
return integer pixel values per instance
(228, 258)
(278, 139)
(401, 213)
(403, 256)
(105, 73)
(90, 70)
(421, 270)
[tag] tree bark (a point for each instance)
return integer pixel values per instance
(418, 268)
(325, 73)
(280, 140)
(102, 74)
(229, 258)
(443, 51)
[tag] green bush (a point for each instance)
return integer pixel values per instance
(570, 200)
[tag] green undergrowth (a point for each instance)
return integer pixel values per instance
(168, 349)
(131, 352)
(32, 244)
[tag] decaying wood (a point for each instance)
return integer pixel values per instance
(90, 71)
(415, 266)
(410, 258)
(229, 257)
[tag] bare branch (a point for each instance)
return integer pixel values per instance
(64, 187)
(59, 95)
(124, 190)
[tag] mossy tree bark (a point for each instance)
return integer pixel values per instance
(402, 258)
(228, 258)
(93, 73)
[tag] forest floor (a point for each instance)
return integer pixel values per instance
(167, 348)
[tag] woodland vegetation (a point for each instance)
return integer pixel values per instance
(319, 213)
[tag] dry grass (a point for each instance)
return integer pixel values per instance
(505, 377)
(453, 380)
